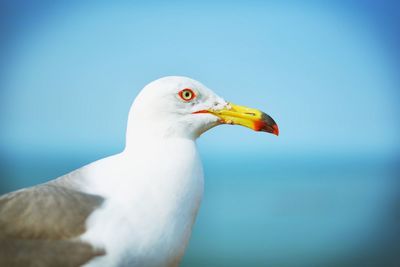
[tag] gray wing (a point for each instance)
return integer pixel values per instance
(39, 226)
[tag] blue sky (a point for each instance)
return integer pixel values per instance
(323, 73)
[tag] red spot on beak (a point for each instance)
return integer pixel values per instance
(276, 130)
(264, 126)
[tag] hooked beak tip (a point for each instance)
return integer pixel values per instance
(264, 126)
(275, 130)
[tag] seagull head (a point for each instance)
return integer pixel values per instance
(176, 106)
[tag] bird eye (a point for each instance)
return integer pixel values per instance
(187, 94)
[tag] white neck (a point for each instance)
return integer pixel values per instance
(155, 186)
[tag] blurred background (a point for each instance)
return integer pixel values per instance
(324, 193)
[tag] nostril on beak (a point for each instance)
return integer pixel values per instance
(250, 113)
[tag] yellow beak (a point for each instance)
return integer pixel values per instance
(248, 117)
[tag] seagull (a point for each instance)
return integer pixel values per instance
(135, 208)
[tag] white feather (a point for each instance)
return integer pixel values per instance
(154, 187)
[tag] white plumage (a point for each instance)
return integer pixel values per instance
(154, 187)
(135, 208)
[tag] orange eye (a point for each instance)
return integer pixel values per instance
(187, 94)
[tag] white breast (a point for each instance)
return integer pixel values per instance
(152, 202)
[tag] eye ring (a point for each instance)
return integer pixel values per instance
(187, 94)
